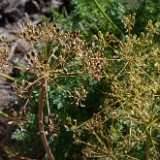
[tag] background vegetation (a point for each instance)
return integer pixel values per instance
(102, 92)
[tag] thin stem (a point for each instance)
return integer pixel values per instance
(30, 85)
(47, 97)
(83, 123)
(41, 126)
(147, 150)
(3, 114)
(11, 154)
(121, 70)
(8, 77)
(148, 141)
(107, 17)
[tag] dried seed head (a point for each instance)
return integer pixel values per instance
(68, 93)
(32, 38)
(33, 53)
(28, 56)
(54, 25)
(45, 61)
(39, 54)
(65, 71)
(31, 61)
(82, 105)
(75, 121)
(46, 119)
(13, 113)
(68, 119)
(57, 30)
(24, 34)
(36, 33)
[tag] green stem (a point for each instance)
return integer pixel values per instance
(8, 77)
(3, 114)
(107, 17)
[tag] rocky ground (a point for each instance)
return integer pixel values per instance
(13, 13)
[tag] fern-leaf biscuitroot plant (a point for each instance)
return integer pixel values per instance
(127, 126)
(91, 100)
(63, 62)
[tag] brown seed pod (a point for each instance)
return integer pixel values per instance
(28, 56)
(36, 33)
(54, 25)
(33, 53)
(68, 93)
(45, 61)
(65, 71)
(31, 61)
(13, 113)
(33, 38)
(57, 30)
(24, 34)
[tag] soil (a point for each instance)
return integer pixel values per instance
(14, 13)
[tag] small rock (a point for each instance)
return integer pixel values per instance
(32, 7)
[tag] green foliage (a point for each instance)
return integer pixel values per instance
(131, 112)
(145, 10)
(28, 141)
(87, 18)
